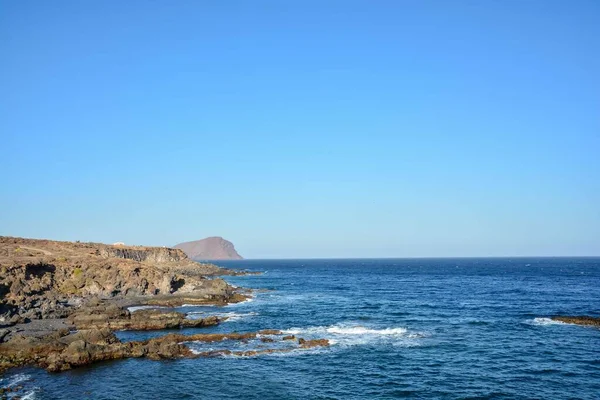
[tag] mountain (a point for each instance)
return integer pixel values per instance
(211, 248)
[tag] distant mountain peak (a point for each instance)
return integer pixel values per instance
(210, 248)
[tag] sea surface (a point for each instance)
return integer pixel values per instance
(399, 328)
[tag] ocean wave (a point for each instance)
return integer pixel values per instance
(231, 316)
(346, 330)
(137, 308)
(542, 321)
(356, 335)
(29, 395)
(361, 330)
(248, 299)
(17, 381)
(14, 380)
(290, 352)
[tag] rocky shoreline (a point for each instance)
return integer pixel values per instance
(64, 349)
(61, 302)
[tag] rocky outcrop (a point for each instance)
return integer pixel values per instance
(211, 248)
(143, 254)
(307, 344)
(48, 279)
(107, 315)
(579, 320)
(65, 350)
(60, 303)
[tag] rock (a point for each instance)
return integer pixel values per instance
(289, 337)
(42, 279)
(59, 353)
(306, 344)
(579, 320)
(270, 332)
(116, 318)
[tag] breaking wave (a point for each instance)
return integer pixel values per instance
(29, 395)
(231, 316)
(356, 335)
(137, 308)
(248, 299)
(14, 380)
(542, 321)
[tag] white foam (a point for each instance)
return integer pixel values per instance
(346, 330)
(248, 299)
(14, 380)
(356, 335)
(137, 308)
(541, 321)
(287, 353)
(29, 396)
(231, 316)
(361, 330)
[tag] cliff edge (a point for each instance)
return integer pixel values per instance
(42, 279)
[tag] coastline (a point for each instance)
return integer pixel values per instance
(62, 302)
(392, 315)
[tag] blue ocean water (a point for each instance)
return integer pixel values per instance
(413, 328)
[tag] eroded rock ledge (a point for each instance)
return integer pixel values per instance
(113, 317)
(65, 350)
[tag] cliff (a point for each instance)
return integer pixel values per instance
(42, 279)
(211, 248)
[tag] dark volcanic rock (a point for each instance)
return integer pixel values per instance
(211, 248)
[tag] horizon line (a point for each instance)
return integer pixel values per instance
(392, 258)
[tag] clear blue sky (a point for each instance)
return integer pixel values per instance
(304, 128)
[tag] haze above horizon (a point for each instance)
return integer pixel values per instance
(339, 129)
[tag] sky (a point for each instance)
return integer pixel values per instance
(301, 129)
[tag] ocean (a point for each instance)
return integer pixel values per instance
(399, 328)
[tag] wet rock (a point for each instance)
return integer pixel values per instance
(579, 320)
(306, 344)
(270, 332)
(59, 352)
